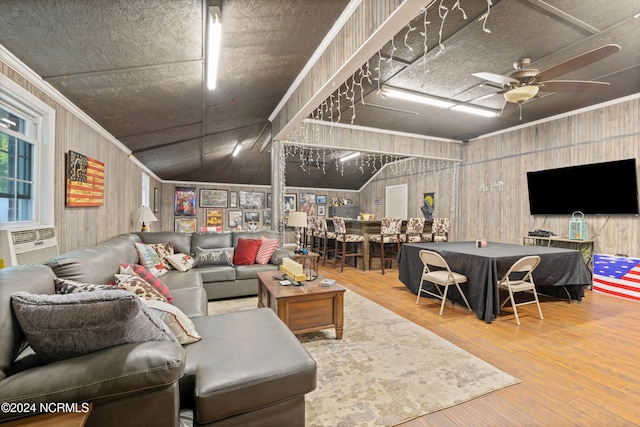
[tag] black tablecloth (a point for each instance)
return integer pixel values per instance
(561, 271)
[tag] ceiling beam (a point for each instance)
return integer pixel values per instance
(319, 85)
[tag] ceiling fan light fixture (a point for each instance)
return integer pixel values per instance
(521, 94)
(415, 97)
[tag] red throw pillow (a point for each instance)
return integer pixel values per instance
(246, 251)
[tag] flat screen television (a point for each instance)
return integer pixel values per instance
(609, 188)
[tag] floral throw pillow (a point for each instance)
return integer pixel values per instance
(150, 259)
(182, 262)
(164, 250)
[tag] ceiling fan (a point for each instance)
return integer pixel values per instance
(524, 83)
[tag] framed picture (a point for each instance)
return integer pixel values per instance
(266, 217)
(321, 200)
(268, 200)
(235, 219)
(156, 199)
(308, 203)
(321, 210)
(185, 225)
(233, 199)
(251, 217)
(185, 201)
(289, 202)
(214, 217)
(252, 200)
(213, 198)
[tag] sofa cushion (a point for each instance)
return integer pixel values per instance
(137, 285)
(244, 272)
(66, 286)
(63, 326)
(181, 241)
(217, 273)
(150, 259)
(181, 326)
(246, 251)
(164, 250)
(210, 241)
(267, 248)
(231, 380)
(143, 272)
(214, 256)
(37, 279)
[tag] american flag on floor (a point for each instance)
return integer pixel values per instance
(619, 276)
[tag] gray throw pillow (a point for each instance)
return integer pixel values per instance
(64, 326)
(217, 256)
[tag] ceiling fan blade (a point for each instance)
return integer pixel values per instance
(578, 62)
(572, 86)
(508, 108)
(496, 78)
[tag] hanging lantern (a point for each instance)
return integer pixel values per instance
(578, 229)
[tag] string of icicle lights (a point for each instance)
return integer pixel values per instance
(320, 159)
(350, 93)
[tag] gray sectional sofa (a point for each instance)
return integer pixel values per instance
(247, 369)
(220, 281)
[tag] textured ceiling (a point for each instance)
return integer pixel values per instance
(136, 67)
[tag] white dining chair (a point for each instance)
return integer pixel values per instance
(436, 270)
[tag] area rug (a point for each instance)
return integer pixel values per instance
(386, 369)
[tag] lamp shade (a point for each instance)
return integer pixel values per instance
(146, 215)
(521, 94)
(297, 219)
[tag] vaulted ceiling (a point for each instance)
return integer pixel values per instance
(136, 67)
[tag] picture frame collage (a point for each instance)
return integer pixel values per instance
(238, 209)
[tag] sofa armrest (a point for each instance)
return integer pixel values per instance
(280, 254)
(110, 374)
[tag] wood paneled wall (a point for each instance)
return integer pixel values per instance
(80, 227)
(488, 193)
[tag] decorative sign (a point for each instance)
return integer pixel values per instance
(85, 181)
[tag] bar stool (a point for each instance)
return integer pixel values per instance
(309, 232)
(326, 239)
(413, 232)
(439, 230)
(342, 241)
(389, 236)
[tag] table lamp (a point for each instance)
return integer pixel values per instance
(146, 216)
(299, 221)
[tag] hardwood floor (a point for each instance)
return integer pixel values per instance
(579, 366)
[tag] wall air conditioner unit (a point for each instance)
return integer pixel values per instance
(33, 245)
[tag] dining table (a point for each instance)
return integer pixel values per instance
(561, 272)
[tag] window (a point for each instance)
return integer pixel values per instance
(16, 168)
(146, 189)
(26, 157)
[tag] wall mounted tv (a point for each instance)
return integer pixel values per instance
(609, 188)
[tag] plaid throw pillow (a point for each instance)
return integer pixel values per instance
(148, 277)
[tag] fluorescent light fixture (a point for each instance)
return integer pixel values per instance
(214, 37)
(475, 110)
(237, 149)
(349, 156)
(415, 97)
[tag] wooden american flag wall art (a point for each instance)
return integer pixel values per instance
(85, 181)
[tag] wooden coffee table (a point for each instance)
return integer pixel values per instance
(305, 308)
